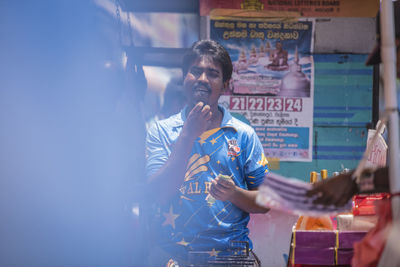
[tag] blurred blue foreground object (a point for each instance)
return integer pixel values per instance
(71, 136)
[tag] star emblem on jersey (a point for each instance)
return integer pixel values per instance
(233, 148)
(213, 253)
(263, 161)
(183, 242)
(170, 217)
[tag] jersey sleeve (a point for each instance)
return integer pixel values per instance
(156, 151)
(256, 164)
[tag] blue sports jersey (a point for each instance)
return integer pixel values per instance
(189, 221)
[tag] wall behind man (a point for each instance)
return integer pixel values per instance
(342, 95)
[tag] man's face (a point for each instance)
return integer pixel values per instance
(203, 82)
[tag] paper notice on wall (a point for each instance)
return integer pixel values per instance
(377, 156)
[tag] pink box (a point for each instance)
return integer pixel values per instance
(348, 238)
(316, 239)
(344, 256)
(313, 256)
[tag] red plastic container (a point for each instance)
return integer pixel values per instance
(365, 204)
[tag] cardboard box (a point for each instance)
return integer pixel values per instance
(344, 256)
(316, 239)
(312, 255)
(348, 222)
(323, 247)
(347, 239)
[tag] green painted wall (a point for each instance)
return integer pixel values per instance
(342, 113)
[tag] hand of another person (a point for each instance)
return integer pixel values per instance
(222, 189)
(197, 120)
(336, 190)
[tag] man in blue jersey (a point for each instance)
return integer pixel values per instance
(201, 212)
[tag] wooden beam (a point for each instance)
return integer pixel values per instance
(171, 6)
(153, 56)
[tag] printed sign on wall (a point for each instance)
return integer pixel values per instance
(290, 8)
(272, 85)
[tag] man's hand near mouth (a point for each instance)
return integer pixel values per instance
(197, 121)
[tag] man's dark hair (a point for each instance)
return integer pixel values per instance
(213, 50)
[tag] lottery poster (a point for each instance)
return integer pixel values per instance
(272, 85)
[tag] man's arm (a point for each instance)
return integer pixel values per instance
(246, 200)
(166, 182)
(339, 189)
(226, 190)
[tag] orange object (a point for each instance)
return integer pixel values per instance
(313, 177)
(324, 174)
(314, 223)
